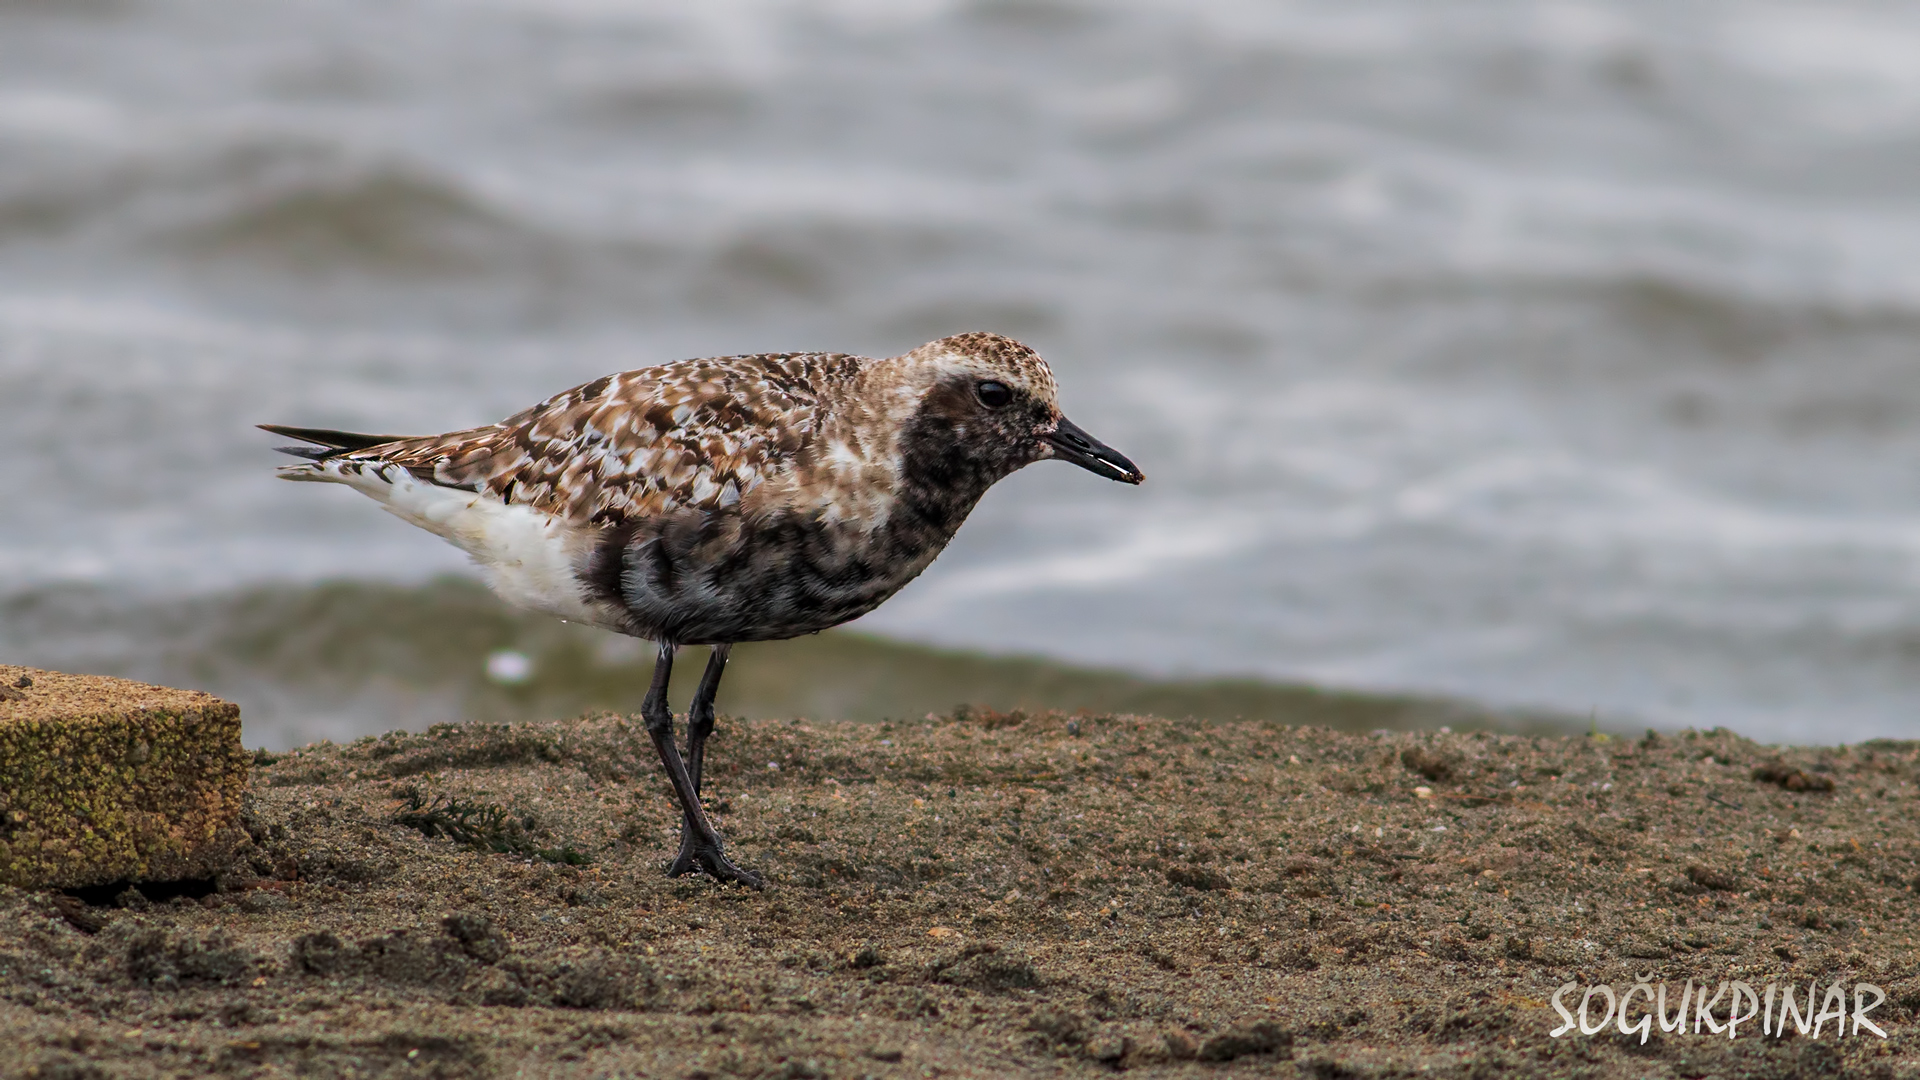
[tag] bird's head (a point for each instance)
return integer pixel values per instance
(987, 405)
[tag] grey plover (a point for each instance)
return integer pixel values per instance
(712, 501)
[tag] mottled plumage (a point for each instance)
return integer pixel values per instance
(713, 501)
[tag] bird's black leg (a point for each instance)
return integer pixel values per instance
(659, 717)
(699, 726)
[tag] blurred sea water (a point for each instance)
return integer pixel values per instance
(1556, 355)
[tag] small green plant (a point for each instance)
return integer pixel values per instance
(480, 826)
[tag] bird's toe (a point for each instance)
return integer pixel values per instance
(695, 856)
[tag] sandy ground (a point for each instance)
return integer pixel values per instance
(992, 895)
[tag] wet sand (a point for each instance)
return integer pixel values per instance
(992, 895)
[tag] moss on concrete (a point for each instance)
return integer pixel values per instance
(105, 780)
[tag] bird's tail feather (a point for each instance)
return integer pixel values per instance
(327, 442)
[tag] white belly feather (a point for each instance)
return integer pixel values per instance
(527, 557)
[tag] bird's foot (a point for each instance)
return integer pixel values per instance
(694, 855)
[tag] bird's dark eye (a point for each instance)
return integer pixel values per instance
(992, 394)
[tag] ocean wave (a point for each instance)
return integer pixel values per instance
(1652, 316)
(290, 204)
(390, 220)
(257, 217)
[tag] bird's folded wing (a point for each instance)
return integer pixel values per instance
(696, 434)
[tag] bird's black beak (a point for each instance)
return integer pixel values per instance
(1072, 444)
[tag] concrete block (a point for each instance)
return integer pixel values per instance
(104, 780)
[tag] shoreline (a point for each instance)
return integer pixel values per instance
(343, 659)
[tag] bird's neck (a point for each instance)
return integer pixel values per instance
(939, 481)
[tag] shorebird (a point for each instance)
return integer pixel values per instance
(720, 500)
